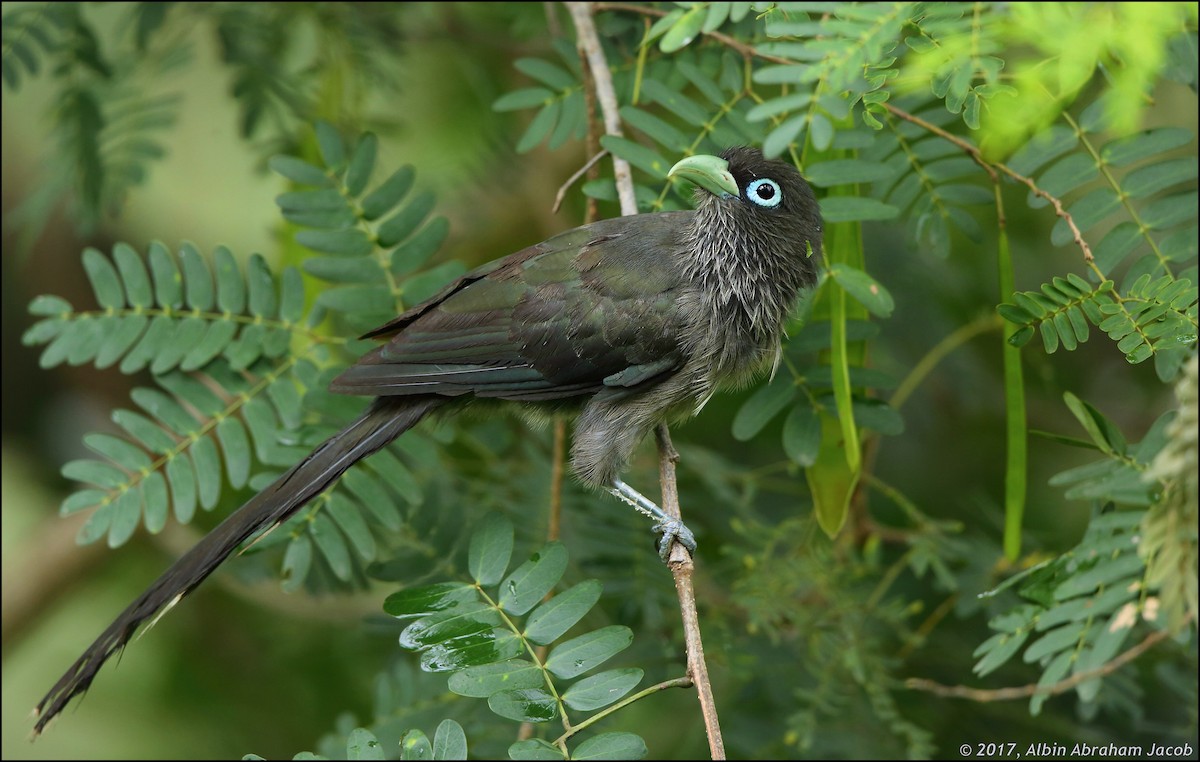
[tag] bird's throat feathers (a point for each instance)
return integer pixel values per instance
(749, 273)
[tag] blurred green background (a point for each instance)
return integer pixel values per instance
(301, 662)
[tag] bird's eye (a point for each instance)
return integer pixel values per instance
(764, 192)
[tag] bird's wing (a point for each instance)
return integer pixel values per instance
(589, 308)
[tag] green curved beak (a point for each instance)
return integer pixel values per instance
(709, 172)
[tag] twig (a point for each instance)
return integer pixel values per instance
(680, 562)
(1025, 691)
(992, 167)
(585, 29)
(682, 569)
(562, 191)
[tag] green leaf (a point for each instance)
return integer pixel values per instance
(490, 549)
(197, 278)
(465, 619)
(333, 150)
(784, 135)
(128, 330)
(675, 102)
(126, 514)
(96, 472)
(777, 106)
(299, 171)
(362, 744)
(683, 31)
(534, 749)
(820, 132)
(119, 451)
(611, 746)
(1137, 147)
(485, 679)
(1168, 212)
(802, 435)
(602, 689)
(470, 650)
(104, 279)
(1116, 245)
(373, 497)
(554, 617)
(134, 276)
(350, 520)
(49, 305)
(1102, 431)
(389, 193)
(1152, 178)
(296, 562)
(865, 289)
(236, 446)
(855, 209)
(428, 599)
(520, 99)
(207, 466)
(529, 582)
(638, 155)
(449, 742)
(540, 127)
(997, 650)
(332, 545)
(1044, 147)
(825, 174)
(545, 72)
(362, 164)
(416, 251)
(1053, 642)
(654, 128)
(343, 243)
(231, 287)
(1055, 671)
(402, 224)
(524, 705)
(182, 479)
(578, 655)
(145, 431)
(767, 402)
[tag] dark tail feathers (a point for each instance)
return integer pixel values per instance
(385, 420)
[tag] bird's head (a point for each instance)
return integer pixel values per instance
(752, 207)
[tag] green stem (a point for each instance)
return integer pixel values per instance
(1017, 439)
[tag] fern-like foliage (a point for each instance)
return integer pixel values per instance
(1132, 181)
(173, 318)
(241, 370)
(31, 33)
(1080, 608)
(450, 742)
(469, 629)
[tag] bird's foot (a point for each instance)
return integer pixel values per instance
(670, 529)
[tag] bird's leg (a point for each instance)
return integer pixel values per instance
(670, 528)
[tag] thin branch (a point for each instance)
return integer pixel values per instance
(991, 168)
(1025, 691)
(682, 569)
(589, 41)
(562, 191)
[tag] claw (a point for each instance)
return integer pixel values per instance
(669, 528)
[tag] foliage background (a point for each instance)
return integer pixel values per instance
(780, 600)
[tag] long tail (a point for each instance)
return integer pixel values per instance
(385, 420)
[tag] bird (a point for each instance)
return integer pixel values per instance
(626, 323)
